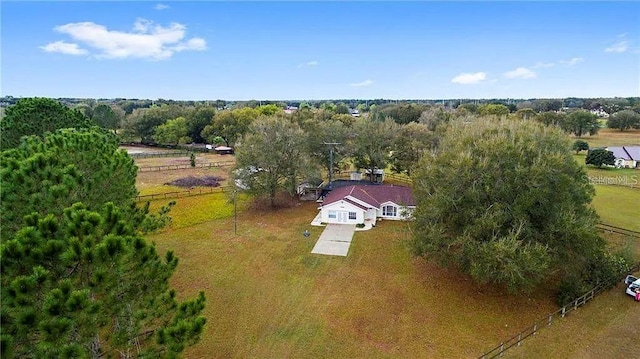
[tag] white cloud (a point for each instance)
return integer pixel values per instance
(64, 48)
(146, 40)
(618, 47)
(161, 7)
(469, 78)
(362, 84)
(309, 64)
(572, 61)
(520, 73)
(541, 65)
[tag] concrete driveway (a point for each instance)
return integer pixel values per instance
(335, 240)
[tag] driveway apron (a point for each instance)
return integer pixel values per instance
(335, 240)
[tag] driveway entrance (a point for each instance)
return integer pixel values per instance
(335, 240)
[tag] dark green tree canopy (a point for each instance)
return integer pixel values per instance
(230, 125)
(37, 116)
(372, 141)
(505, 202)
(271, 157)
(85, 284)
(599, 157)
(48, 174)
(580, 145)
(105, 117)
(410, 143)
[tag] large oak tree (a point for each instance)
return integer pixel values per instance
(505, 202)
(271, 157)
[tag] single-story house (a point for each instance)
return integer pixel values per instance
(358, 204)
(626, 156)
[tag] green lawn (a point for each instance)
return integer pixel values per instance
(618, 206)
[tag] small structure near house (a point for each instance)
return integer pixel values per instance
(310, 189)
(224, 150)
(358, 204)
(378, 175)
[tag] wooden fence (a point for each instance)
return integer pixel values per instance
(185, 166)
(160, 154)
(517, 339)
(179, 194)
(619, 230)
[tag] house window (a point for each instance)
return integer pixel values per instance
(352, 215)
(389, 211)
(332, 214)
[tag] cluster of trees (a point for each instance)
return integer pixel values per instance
(624, 120)
(77, 277)
(277, 152)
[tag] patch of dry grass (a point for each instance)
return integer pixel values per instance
(183, 160)
(153, 182)
(611, 137)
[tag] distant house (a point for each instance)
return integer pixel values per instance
(224, 150)
(358, 204)
(626, 156)
(290, 109)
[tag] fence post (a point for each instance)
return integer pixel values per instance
(501, 348)
(564, 309)
(550, 318)
(535, 329)
(519, 338)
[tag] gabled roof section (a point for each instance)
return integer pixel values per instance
(633, 151)
(374, 195)
(619, 152)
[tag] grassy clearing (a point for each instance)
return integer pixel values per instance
(268, 296)
(190, 211)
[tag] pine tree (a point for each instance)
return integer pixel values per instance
(87, 285)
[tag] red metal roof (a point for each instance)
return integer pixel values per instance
(374, 195)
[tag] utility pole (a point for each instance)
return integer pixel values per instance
(332, 144)
(235, 212)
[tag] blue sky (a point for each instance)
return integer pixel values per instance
(210, 50)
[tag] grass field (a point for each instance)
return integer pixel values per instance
(612, 137)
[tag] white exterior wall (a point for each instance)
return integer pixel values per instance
(624, 163)
(400, 215)
(342, 209)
